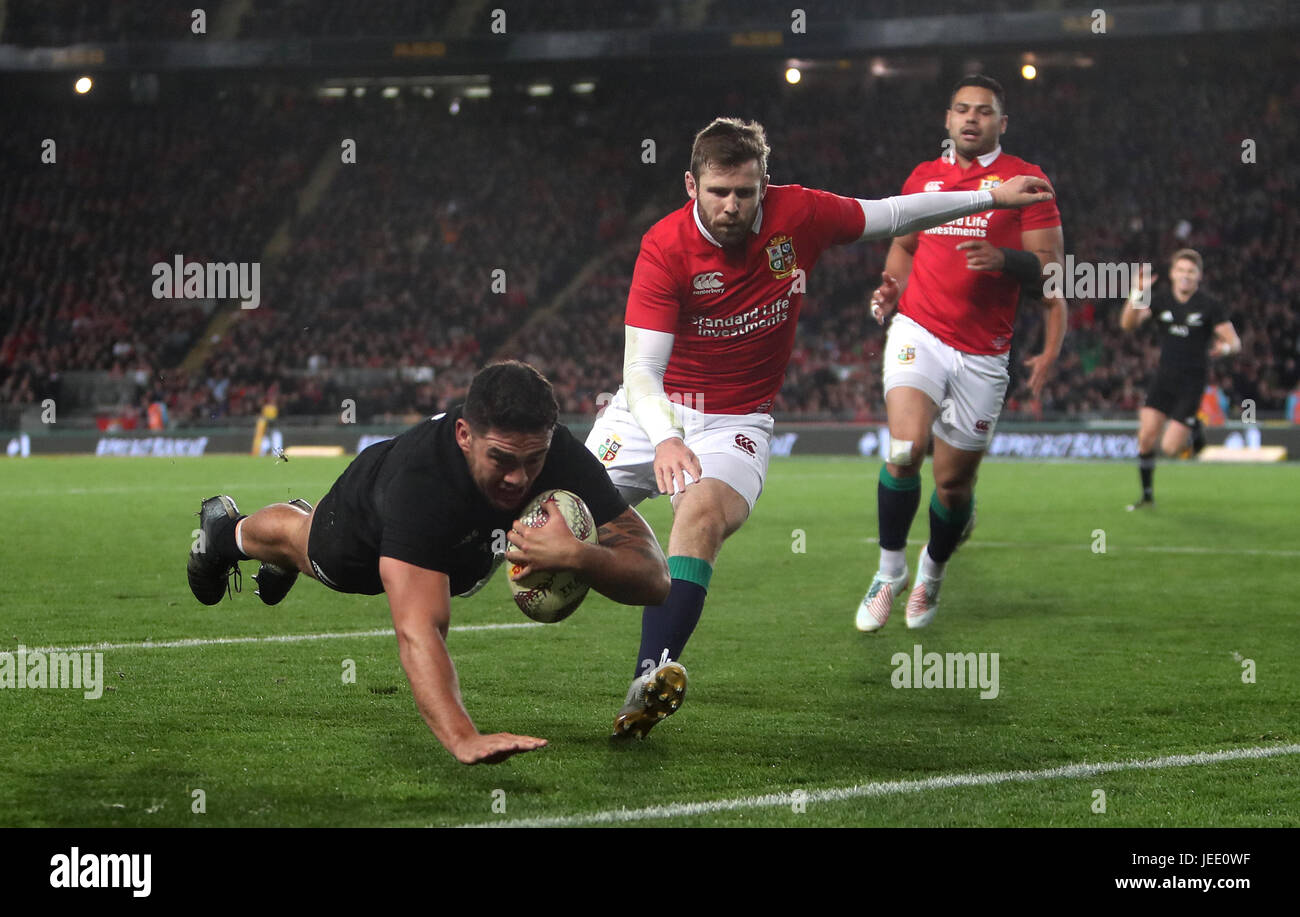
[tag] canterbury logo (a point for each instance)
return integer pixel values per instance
(744, 442)
(710, 282)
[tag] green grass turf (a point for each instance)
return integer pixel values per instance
(1127, 654)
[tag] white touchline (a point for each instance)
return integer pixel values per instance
(278, 638)
(892, 788)
(1151, 549)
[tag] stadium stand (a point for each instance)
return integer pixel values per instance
(60, 22)
(381, 290)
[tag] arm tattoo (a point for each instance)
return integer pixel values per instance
(630, 533)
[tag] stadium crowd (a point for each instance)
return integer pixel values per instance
(510, 229)
(60, 22)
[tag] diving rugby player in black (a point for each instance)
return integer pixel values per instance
(416, 517)
(1187, 321)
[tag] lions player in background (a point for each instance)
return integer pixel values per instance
(1187, 320)
(946, 354)
(710, 327)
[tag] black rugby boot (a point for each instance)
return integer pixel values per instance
(206, 568)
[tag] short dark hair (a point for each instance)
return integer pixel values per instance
(727, 143)
(512, 397)
(983, 82)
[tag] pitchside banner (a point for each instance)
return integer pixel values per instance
(1012, 440)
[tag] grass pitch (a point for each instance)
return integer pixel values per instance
(1140, 651)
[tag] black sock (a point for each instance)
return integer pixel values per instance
(1147, 467)
(1198, 436)
(896, 503)
(946, 526)
(223, 539)
(670, 625)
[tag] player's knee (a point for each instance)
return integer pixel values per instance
(710, 523)
(297, 534)
(702, 519)
(906, 455)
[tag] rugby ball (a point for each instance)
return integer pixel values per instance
(552, 596)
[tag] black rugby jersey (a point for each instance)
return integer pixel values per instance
(1185, 330)
(412, 498)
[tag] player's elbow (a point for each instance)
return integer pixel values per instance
(647, 583)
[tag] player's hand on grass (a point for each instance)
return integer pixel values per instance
(551, 546)
(1040, 368)
(981, 255)
(885, 297)
(1021, 191)
(494, 748)
(673, 462)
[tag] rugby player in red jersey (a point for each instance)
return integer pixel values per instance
(946, 354)
(709, 330)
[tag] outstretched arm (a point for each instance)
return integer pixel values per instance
(626, 565)
(908, 213)
(420, 601)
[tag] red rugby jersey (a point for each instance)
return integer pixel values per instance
(734, 313)
(973, 311)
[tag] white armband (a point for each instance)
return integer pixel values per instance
(645, 360)
(898, 216)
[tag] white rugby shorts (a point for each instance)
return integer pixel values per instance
(733, 448)
(969, 388)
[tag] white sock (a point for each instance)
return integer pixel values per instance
(929, 568)
(239, 536)
(893, 563)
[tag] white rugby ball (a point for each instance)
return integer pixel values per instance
(552, 596)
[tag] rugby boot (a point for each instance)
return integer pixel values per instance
(873, 610)
(651, 697)
(206, 569)
(923, 602)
